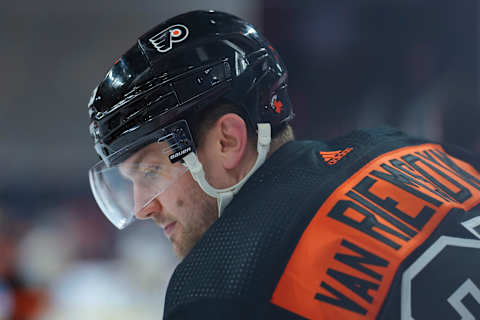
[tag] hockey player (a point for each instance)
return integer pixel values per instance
(191, 125)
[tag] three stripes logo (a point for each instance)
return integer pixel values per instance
(164, 40)
(332, 157)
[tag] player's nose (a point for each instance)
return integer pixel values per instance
(144, 207)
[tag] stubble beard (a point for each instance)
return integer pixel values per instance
(201, 213)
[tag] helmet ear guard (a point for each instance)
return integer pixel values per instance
(261, 90)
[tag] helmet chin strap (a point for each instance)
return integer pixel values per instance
(225, 196)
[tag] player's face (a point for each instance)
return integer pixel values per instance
(183, 210)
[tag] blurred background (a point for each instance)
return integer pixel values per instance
(413, 64)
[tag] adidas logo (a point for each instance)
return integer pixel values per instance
(332, 157)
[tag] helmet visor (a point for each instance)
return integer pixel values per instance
(123, 188)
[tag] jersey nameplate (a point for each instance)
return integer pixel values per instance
(347, 257)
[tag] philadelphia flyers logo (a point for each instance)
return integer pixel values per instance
(164, 40)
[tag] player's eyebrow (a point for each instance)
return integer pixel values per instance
(134, 161)
(139, 158)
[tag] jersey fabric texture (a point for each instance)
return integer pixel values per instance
(373, 225)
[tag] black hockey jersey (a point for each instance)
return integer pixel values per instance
(373, 225)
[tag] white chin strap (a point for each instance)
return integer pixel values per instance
(224, 196)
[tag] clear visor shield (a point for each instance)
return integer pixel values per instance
(124, 188)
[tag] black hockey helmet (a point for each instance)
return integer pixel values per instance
(179, 67)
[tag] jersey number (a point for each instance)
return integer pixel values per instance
(435, 286)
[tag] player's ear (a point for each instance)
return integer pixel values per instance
(231, 132)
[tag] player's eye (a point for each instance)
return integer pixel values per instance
(152, 171)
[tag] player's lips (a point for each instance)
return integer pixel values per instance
(168, 229)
